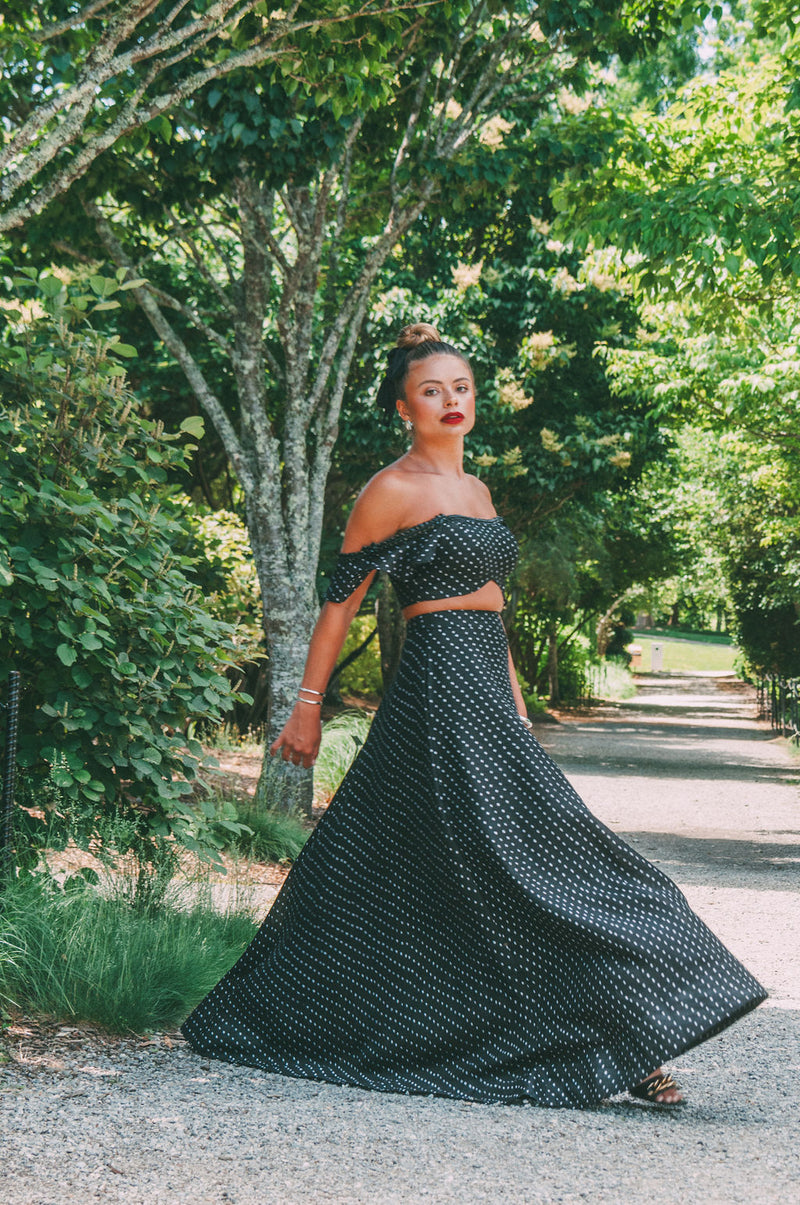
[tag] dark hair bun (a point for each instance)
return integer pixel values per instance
(418, 332)
(415, 342)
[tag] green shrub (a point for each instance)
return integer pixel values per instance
(228, 573)
(610, 679)
(574, 662)
(362, 676)
(534, 705)
(84, 955)
(117, 652)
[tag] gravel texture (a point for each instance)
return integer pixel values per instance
(698, 786)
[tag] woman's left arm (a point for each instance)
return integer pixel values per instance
(518, 699)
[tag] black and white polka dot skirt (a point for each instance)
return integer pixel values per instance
(460, 924)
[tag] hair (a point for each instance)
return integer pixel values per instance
(415, 342)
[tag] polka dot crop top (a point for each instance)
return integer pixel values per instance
(444, 557)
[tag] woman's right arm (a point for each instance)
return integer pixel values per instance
(299, 739)
(376, 514)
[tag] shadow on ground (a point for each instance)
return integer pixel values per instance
(699, 860)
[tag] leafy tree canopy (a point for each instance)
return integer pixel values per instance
(253, 229)
(704, 189)
(77, 77)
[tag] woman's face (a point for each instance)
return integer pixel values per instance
(439, 397)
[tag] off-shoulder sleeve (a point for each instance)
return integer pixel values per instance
(351, 568)
(350, 571)
(396, 556)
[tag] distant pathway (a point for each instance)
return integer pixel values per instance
(685, 773)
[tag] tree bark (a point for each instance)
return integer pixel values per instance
(281, 785)
(603, 628)
(391, 631)
(552, 666)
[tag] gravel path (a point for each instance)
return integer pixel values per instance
(696, 784)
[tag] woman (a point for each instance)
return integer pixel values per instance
(459, 923)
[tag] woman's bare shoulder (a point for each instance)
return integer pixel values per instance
(380, 509)
(482, 492)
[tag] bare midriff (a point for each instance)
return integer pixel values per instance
(488, 598)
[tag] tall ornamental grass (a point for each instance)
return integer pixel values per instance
(611, 679)
(273, 836)
(88, 956)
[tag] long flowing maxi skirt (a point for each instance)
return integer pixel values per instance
(459, 923)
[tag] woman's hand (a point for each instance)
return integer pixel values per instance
(299, 739)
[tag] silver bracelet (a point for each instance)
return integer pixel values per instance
(310, 690)
(313, 702)
(528, 723)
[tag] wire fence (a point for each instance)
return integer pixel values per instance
(779, 702)
(9, 711)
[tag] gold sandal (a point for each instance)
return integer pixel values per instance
(653, 1086)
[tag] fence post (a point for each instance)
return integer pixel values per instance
(9, 779)
(779, 701)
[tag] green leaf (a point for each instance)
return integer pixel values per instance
(103, 285)
(194, 426)
(66, 654)
(50, 286)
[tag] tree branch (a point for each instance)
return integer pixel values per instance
(191, 315)
(183, 237)
(202, 391)
(411, 124)
(80, 18)
(224, 256)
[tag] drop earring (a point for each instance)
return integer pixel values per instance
(407, 423)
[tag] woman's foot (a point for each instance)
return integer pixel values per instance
(658, 1089)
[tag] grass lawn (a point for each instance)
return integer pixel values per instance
(686, 653)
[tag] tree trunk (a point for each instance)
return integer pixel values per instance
(282, 786)
(286, 321)
(604, 627)
(552, 666)
(290, 611)
(391, 631)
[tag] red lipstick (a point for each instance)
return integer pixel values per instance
(453, 417)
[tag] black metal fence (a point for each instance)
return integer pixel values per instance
(10, 712)
(779, 702)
